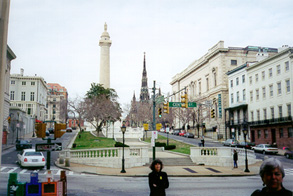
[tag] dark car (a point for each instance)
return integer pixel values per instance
(176, 132)
(288, 153)
(68, 129)
(189, 135)
(246, 145)
(23, 144)
(47, 133)
(51, 130)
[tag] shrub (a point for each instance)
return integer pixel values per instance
(170, 147)
(160, 144)
(119, 144)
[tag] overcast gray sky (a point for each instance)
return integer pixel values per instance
(59, 39)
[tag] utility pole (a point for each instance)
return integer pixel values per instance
(154, 117)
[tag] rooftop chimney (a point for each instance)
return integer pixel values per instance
(21, 71)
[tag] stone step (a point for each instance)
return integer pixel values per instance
(175, 161)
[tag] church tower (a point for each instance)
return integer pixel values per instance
(144, 91)
(105, 44)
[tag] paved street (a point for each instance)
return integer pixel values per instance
(92, 185)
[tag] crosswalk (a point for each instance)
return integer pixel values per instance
(54, 171)
(288, 172)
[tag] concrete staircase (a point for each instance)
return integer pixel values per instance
(175, 161)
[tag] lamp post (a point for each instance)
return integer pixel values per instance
(123, 129)
(246, 162)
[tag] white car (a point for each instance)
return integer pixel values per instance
(31, 158)
(265, 148)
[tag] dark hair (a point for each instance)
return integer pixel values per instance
(155, 162)
(269, 165)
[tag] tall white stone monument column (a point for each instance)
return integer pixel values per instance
(105, 44)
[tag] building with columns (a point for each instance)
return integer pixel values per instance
(206, 83)
(105, 44)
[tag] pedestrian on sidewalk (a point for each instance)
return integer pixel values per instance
(202, 141)
(158, 180)
(272, 174)
(235, 158)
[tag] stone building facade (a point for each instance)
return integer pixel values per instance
(206, 83)
(57, 103)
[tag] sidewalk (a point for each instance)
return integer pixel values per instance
(173, 169)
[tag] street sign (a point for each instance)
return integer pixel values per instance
(178, 104)
(146, 127)
(49, 147)
(158, 126)
(154, 135)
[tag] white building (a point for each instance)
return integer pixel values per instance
(260, 99)
(205, 79)
(271, 99)
(29, 93)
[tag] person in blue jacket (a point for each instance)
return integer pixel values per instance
(158, 180)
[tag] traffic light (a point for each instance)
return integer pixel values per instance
(184, 100)
(212, 113)
(40, 130)
(160, 112)
(166, 107)
(58, 130)
(9, 119)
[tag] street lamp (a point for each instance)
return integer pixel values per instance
(123, 129)
(246, 162)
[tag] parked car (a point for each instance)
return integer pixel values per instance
(23, 144)
(231, 142)
(68, 129)
(51, 130)
(47, 133)
(246, 145)
(176, 132)
(265, 148)
(182, 133)
(189, 135)
(288, 153)
(31, 158)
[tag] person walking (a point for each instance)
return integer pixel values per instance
(235, 158)
(272, 174)
(158, 180)
(202, 141)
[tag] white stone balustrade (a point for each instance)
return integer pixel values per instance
(108, 157)
(220, 156)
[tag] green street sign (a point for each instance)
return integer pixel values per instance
(178, 104)
(159, 99)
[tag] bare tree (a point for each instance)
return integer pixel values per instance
(78, 109)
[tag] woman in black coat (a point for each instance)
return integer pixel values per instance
(158, 180)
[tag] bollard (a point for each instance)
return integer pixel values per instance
(34, 188)
(15, 187)
(61, 159)
(67, 162)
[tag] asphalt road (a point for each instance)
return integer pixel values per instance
(93, 185)
(9, 157)
(287, 163)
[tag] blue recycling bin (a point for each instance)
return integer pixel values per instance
(34, 188)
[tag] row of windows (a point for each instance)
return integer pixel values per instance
(270, 71)
(263, 91)
(194, 86)
(272, 110)
(281, 133)
(22, 98)
(23, 83)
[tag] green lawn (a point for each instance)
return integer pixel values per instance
(180, 146)
(87, 141)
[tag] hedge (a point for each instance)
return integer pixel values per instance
(119, 144)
